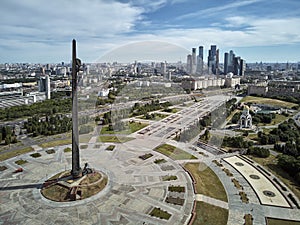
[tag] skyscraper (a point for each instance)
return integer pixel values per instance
(200, 61)
(44, 86)
(226, 62)
(189, 64)
(237, 65)
(231, 62)
(194, 61)
(163, 68)
(242, 67)
(213, 59)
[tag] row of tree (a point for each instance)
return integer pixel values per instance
(259, 152)
(236, 142)
(262, 118)
(47, 107)
(286, 139)
(287, 133)
(139, 109)
(291, 165)
(48, 125)
(8, 135)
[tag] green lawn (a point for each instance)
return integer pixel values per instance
(207, 214)
(173, 152)
(21, 162)
(56, 143)
(68, 150)
(281, 222)
(8, 155)
(169, 178)
(268, 101)
(131, 128)
(116, 139)
(207, 182)
(248, 219)
(278, 119)
(157, 212)
(172, 110)
(35, 155)
(157, 117)
(110, 148)
(50, 151)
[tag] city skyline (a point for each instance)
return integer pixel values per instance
(40, 31)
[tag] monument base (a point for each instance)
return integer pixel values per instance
(63, 187)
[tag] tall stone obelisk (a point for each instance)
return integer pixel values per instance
(76, 170)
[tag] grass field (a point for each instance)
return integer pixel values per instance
(282, 222)
(8, 155)
(248, 219)
(56, 143)
(207, 214)
(207, 182)
(68, 150)
(131, 128)
(173, 152)
(268, 101)
(278, 119)
(116, 139)
(173, 110)
(270, 164)
(21, 162)
(157, 212)
(158, 116)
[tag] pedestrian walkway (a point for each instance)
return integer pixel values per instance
(212, 201)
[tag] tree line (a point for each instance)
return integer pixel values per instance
(48, 125)
(47, 107)
(8, 135)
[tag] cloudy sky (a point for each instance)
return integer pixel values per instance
(41, 31)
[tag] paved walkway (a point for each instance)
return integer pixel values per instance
(135, 187)
(212, 201)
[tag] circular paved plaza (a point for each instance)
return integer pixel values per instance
(135, 186)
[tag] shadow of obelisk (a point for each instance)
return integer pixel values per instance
(76, 170)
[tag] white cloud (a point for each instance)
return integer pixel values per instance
(218, 9)
(56, 19)
(237, 21)
(259, 32)
(40, 29)
(149, 5)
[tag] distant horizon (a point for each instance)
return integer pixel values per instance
(86, 62)
(41, 31)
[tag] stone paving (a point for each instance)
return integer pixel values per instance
(135, 186)
(267, 193)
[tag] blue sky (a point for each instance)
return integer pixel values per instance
(41, 31)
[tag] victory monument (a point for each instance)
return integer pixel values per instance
(78, 183)
(76, 63)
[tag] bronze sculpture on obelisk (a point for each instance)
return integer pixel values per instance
(76, 63)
